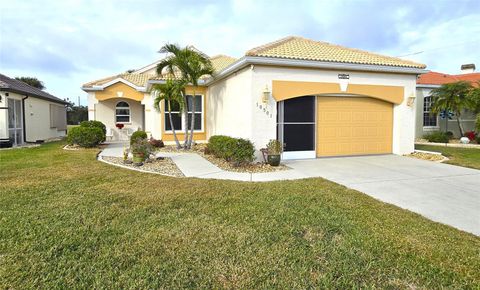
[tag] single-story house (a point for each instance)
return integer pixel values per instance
(428, 122)
(28, 114)
(318, 98)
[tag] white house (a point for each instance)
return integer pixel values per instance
(28, 114)
(319, 99)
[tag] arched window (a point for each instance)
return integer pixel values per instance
(122, 112)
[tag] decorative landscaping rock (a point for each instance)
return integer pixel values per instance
(163, 166)
(427, 156)
(257, 167)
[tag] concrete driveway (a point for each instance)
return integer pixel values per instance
(444, 193)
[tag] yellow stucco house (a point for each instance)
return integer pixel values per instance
(318, 98)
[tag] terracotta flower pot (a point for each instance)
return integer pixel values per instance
(138, 157)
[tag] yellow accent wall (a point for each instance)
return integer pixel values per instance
(283, 90)
(110, 92)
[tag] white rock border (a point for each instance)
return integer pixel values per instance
(433, 153)
(99, 158)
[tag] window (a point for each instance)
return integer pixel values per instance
(179, 119)
(122, 112)
(58, 117)
(429, 119)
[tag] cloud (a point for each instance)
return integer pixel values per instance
(67, 43)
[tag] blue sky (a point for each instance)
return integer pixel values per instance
(66, 43)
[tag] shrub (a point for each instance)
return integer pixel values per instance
(274, 147)
(141, 145)
(237, 150)
(137, 135)
(95, 124)
(450, 135)
(243, 152)
(85, 136)
(478, 139)
(437, 137)
(470, 135)
(220, 146)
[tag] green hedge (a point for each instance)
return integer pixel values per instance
(85, 136)
(237, 150)
(437, 137)
(95, 124)
(138, 135)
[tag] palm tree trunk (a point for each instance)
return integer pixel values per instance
(192, 122)
(171, 125)
(185, 112)
(460, 127)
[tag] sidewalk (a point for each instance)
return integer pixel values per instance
(194, 165)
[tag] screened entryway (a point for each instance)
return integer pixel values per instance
(296, 127)
(15, 121)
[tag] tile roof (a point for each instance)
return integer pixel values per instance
(16, 86)
(436, 78)
(294, 47)
(134, 78)
(220, 62)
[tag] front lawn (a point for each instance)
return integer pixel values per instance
(467, 157)
(69, 221)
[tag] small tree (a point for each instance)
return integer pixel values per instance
(474, 96)
(452, 97)
(170, 92)
(34, 82)
(189, 65)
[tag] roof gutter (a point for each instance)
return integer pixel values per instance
(270, 61)
(428, 86)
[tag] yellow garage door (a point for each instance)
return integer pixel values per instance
(353, 126)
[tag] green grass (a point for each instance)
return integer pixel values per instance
(467, 157)
(69, 221)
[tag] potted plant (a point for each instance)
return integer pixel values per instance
(141, 149)
(274, 150)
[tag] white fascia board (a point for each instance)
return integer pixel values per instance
(426, 86)
(114, 81)
(247, 60)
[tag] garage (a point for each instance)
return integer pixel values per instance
(353, 126)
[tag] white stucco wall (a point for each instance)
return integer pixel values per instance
(105, 113)
(229, 106)
(37, 120)
(236, 109)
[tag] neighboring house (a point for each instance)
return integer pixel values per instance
(319, 99)
(28, 114)
(428, 122)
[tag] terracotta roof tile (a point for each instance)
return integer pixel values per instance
(436, 78)
(293, 47)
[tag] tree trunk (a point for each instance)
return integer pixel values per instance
(460, 126)
(192, 122)
(185, 112)
(171, 125)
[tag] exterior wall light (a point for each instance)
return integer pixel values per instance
(411, 100)
(265, 95)
(120, 94)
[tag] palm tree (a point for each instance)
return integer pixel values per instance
(452, 97)
(171, 91)
(189, 65)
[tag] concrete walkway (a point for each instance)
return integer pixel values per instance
(441, 192)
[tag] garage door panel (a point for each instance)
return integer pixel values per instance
(353, 126)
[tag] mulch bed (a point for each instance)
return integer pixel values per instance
(256, 167)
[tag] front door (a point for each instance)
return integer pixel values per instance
(15, 121)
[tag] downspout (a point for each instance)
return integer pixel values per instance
(24, 127)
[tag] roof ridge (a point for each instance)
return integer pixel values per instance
(221, 55)
(269, 45)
